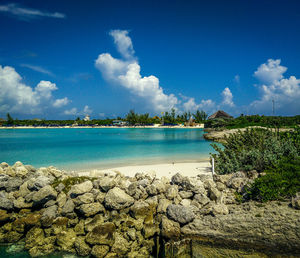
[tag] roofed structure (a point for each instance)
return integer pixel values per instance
(219, 114)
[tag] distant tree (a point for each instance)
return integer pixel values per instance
(131, 117)
(77, 119)
(10, 120)
(200, 116)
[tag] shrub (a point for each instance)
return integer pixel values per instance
(253, 149)
(280, 182)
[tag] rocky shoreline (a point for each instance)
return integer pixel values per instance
(112, 215)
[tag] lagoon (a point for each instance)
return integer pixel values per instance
(84, 148)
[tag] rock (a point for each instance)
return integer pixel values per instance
(36, 184)
(186, 194)
(79, 228)
(172, 192)
(201, 199)
(100, 197)
(237, 183)
(121, 245)
(91, 209)
(5, 203)
(181, 214)
(117, 199)
(296, 201)
(23, 190)
(60, 187)
(219, 209)
(215, 194)
(160, 186)
(81, 247)
(4, 217)
(84, 199)
(21, 171)
(68, 207)
(107, 183)
(220, 186)
(99, 251)
(34, 237)
(66, 239)
(61, 199)
(185, 202)
(140, 209)
(49, 215)
(21, 204)
(170, 229)
(163, 205)
(131, 233)
(44, 195)
(82, 188)
(12, 184)
(102, 234)
(59, 225)
(90, 223)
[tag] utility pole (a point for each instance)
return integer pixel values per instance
(273, 101)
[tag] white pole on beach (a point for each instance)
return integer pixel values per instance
(212, 166)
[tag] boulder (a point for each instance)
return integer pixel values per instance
(81, 247)
(34, 237)
(107, 183)
(49, 215)
(100, 251)
(90, 209)
(21, 204)
(21, 171)
(185, 202)
(36, 184)
(84, 199)
(219, 209)
(181, 214)
(44, 195)
(140, 209)
(90, 223)
(4, 217)
(172, 192)
(186, 194)
(163, 205)
(68, 207)
(102, 234)
(117, 199)
(82, 188)
(121, 245)
(170, 229)
(296, 201)
(5, 203)
(66, 239)
(61, 199)
(11, 184)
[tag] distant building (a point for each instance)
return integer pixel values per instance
(87, 118)
(119, 123)
(219, 114)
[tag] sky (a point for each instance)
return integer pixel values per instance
(64, 59)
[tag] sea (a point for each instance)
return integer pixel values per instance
(96, 148)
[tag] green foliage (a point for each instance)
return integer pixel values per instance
(10, 120)
(254, 149)
(200, 116)
(281, 181)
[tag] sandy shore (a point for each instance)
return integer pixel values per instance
(167, 169)
(82, 127)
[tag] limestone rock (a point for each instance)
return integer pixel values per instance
(170, 229)
(61, 199)
(81, 247)
(91, 209)
(49, 215)
(12, 184)
(21, 204)
(34, 237)
(172, 192)
(4, 217)
(296, 201)
(102, 234)
(82, 188)
(107, 183)
(68, 207)
(36, 184)
(186, 194)
(100, 251)
(66, 239)
(90, 223)
(84, 199)
(117, 199)
(43, 195)
(181, 214)
(140, 209)
(220, 209)
(163, 205)
(121, 245)
(5, 203)
(201, 199)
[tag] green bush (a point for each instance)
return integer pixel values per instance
(280, 182)
(254, 149)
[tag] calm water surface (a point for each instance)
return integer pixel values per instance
(74, 148)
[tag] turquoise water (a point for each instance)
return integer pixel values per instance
(74, 148)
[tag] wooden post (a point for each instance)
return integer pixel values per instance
(213, 166)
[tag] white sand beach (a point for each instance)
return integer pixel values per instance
(167, 169)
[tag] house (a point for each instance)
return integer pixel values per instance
(119, 123)
(219, 114)
(87, 118)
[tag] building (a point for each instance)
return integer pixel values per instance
(219, 114)
(87, 118)
(119, 123)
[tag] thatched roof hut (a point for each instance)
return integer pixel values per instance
(219, 114)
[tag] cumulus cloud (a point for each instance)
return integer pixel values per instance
(191, 105)
(38, 69)
(61, 102)
(74, 111)
(87, 110)
(25, 13)
(227, 97)
(17, 97)
(126, 72)
(274, 86)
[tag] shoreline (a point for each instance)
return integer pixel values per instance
(190, 169)
(83, 127)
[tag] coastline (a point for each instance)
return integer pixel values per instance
(190, 169)
(82, 127)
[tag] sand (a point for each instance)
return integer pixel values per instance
(166, 169)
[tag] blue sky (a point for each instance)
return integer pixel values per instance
(63, 59)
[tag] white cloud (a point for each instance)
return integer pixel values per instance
(123, 43)
(17, 97)
(270, 72)
(227, 97)
(274, 86)
(28, 13)
(61, 102)
(126, 73)
(38, 69)
(87, 110)
(190, 105)
(72, 111)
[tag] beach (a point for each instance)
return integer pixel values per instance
(190, 169)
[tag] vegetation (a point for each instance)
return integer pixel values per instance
(254, 120)
(253, 149)
(280, 182)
